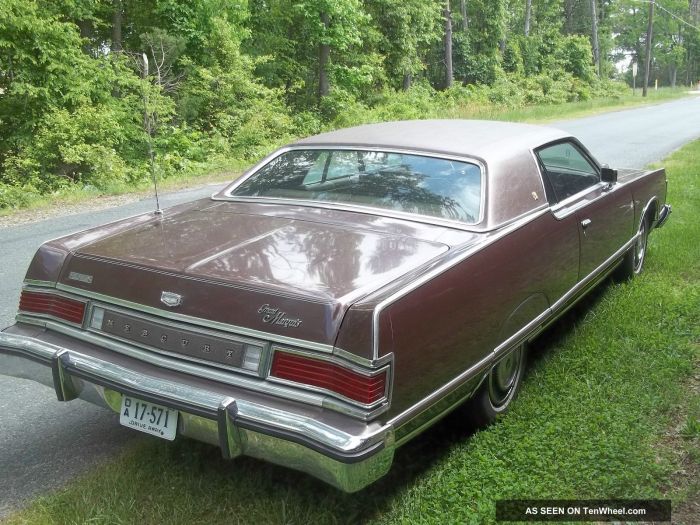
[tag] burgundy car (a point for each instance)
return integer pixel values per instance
(341, 296)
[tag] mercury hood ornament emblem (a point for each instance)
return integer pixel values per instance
(171, 299)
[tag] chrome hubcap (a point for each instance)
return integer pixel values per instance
(504, 378)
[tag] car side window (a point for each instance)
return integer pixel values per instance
(567, 170)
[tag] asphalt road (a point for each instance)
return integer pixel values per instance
(44, 443)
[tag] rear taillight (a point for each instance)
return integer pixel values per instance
(52, 304)
(364, 388)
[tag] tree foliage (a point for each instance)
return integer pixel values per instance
(231, 78)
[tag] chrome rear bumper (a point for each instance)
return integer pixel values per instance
(346, 460)
(664, 214)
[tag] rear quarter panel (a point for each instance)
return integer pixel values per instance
(648, 190)
(457, 318)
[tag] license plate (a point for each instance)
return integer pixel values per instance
(148, 417)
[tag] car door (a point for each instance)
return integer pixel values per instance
(605, 212)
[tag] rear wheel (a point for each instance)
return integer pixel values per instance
(499, 389)
(633, 261)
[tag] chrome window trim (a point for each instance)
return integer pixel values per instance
(382, 305)
(561, 211)
(527, 332)
(386, 368)
(198, 321)
(572, 198)
(382, 212)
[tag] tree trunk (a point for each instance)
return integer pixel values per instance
(117, 19)
(569, 16)
(449, 75)
(528, 13)
(594, 36)
(650, 29)
(324, 52)
(674, 75)
(85, 27)
(407, 79)
(465, 18)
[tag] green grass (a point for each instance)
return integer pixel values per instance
(548, 113)
(608, 409)
(224, 170)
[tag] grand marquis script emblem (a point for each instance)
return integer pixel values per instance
(171, 299)
(274, 315)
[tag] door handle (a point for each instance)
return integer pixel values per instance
(585, 223)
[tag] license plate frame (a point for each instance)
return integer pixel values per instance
(150, 418)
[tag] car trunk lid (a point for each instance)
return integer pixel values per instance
(289, 275)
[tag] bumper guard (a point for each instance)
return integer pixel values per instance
(346, 461)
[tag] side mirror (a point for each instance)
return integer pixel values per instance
(608, 175)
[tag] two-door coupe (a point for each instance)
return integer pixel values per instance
(338, 298)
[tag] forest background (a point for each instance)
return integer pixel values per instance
(102, 93)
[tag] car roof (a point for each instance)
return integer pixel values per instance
(487, 140)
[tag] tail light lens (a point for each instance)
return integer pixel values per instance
(52, 304)
(363, 388)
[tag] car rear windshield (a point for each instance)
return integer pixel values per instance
(423, 185)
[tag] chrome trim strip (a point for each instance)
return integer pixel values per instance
(239, 330)
(521, 335)
(226, 192)
(591, 276)
(436, 395)
(37, 282)
(441, 269)
(362, 361)
(434, 413)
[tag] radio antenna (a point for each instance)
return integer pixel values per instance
(148, 125)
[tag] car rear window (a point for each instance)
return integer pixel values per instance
(436, 187)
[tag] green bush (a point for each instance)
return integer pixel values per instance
(17, 196)
(79, 146)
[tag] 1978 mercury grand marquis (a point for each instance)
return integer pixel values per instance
(338, 298)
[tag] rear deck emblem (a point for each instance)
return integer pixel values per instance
(274, 315)
(171, 299)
